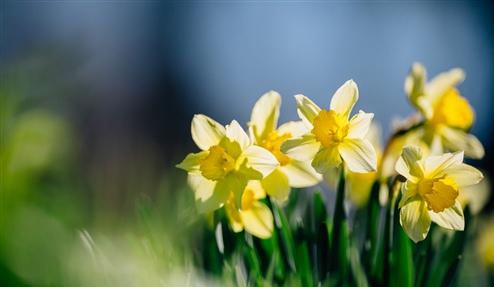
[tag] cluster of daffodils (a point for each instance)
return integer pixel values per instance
(237, 170)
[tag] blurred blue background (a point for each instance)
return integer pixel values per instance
(131, 74)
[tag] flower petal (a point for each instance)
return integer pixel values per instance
(301, 174)
(464, 174)
(265, 113)
(436, 165)
(476, 196)
(415, 219)
(202, 187)
(206, 132)
(326, 159)
(359, 125)
(415, 89)
(450, 218)
(345, 98)
(209, 200)
(258, 220)
(458, 140)
(192, 161)
(303, 148)
(260, 159)
(237, 134)
(307, 110)
(295, 129)
(408, 164)
(276, 185)
(359, 155)
(443, 82)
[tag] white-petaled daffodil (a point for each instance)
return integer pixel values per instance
(228, 160)
(333, 137)
(252, 215)
(448, 116)
(264, 131)
(430, 192)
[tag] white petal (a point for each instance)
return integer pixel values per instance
(476, 196)
(345, 98)
(260, 159)
(258, 220)
(303, 148)
(326, 159)
(276, 185)
(265, 113)
(206, 132)
(415, 220)
(450, 218)
(458, 140)
(408, 164)
(236, 133)
(295, 129)
(210, 200)
(436, 165)
(307, 110)
(443, 82)
(359, 155)
(301, 174)
(415, 89)
(464, 174)
(202, 187)
(359, 125)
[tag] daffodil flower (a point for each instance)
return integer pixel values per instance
(448, 116)
(333, 137)
(431, 190)
(264, 131)
(252, 215)
(228, 160)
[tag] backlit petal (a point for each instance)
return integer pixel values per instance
(436, 165)
(326, 159)
(276, 185)
(260, 159)
(192, 161)
(345, 98)
(295, 129)
(359, 125)
(464, 174)
(359, 155)
(450, 218)
(258, 220)
(301, 174)
(409, 163)
(458, 140)
(307, 110)
(303, 148)
(236, 133)
(265, 113)
(415, 220)
(443, 82)
(206, 132)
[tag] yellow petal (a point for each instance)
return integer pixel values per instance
(345, 98)
(192, 161)
(276, 185)
(415, 89)
(233, 215)
(237, 134)
(359, 125)
(307, 110)
(258, 220)
(358, 155)
(260, 159)
(303, 148)
(415, 220)
(301, 174)
(408, 192)
(450, 218)
(206, 132)
(458, 140)
(265, 113)
(464, 174)
(443, 82)
(408, 164)
(436, 165)
(295, 129)
(326, 159)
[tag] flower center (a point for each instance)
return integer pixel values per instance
(217, 164)
(453, 110)
(439, 193)
(273, 143)
(330, 128)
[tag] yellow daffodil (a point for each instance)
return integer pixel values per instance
(333, 137)
(264, 131)
(252, 215)
(431, 190)
(448, 116)
(228, 160)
